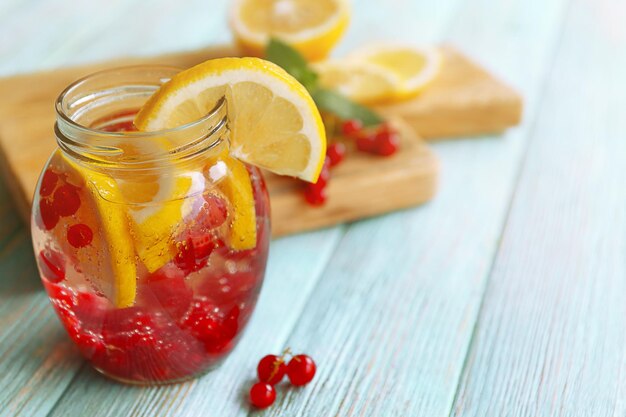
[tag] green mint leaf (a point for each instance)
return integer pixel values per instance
(344, 108)
(291, 61)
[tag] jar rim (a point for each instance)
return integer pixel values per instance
(82, 140)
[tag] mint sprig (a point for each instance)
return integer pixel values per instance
(330, 101)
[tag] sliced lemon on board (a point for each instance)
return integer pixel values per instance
(313, 27)
(359, 80)
(273, 120)
(105, 200)
(414, 67)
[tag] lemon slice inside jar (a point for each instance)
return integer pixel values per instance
(157, 207)
(104, 199)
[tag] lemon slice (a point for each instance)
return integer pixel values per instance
(237, 188)
(311, 26)
(157, 207)
(359, 80)
(104, 200)
(414, 67)
(273, 120)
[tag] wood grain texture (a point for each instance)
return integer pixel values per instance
(38, 361)
(551, 339)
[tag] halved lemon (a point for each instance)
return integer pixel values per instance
(359, 80)
(103, 206)
(273, 120)
(311, 26)
(414, 67)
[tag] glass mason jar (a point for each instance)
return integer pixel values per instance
(152, 246)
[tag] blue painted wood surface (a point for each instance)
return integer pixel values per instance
(503, 297)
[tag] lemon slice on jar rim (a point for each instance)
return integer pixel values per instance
(273, 120)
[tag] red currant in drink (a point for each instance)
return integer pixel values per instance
(152, 252)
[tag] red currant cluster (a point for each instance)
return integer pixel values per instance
(59, 199)
(271, 369)
(382, 141)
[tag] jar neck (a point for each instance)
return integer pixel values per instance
(89, 110)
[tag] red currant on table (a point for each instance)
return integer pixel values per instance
(387, 142)
(301, 370)
(262, 395)
(351, 127)
(315, 194)
(366, 143)
(271, 369)
(336, 152)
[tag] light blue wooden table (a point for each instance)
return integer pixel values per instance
(506, 296)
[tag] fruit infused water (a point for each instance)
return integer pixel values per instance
(152, 246)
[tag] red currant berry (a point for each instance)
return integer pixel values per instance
(213, 213)
(387, 142)
(262, 395)
(322, 180)
(51, 265)
(79, 235)
(351, 127)
(315, 196)
(66, 200)
(336, 152)
(48, 182)
(301, 370)
(366, 143)
(49, 215)
(271, 369)
(88, 342)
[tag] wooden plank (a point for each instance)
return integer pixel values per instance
(551, 340)
(38, 361)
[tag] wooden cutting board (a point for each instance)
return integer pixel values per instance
(463, 100)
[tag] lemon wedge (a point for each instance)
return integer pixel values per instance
(311, 26)
(359, 80)
(414, 67)
(273, 120)
(104, 203)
